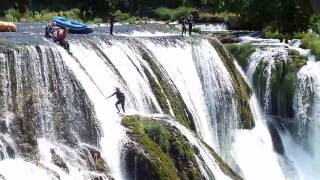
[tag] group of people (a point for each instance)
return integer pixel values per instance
(57, 34)
(184, 22)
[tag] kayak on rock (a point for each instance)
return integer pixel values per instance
(74, 26)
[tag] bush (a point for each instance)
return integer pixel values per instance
(120, 16)
(314, 23)
(42, 16)
(166, 14)
(12, 14)
(312, 41)
(196, 30)
(241, 53)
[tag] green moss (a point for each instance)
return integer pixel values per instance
(242, 89)
(223, 165)
(241, 52)
(312, 41)
(283, 83)
(161, 162)
(165, 90)
(158, 91)
(171, 153)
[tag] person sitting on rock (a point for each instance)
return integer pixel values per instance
(121, 99)
(58, 161)
(62, 34)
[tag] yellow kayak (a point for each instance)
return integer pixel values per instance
(7, 27)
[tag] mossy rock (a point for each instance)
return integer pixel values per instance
(167, 152)
(242, 89)
(164, 151)
(241, 52)
(282, 85)
(165, 90)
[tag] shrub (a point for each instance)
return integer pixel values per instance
(40, 16)
(312, 41)
(314, 23)
(196, 30)
(120, 16)
(166, 14)
(241, 53)
(12, 14)
(163, 13)
(179, 12)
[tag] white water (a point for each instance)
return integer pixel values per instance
(271, 56)
(307, 107)
(105, 111)
(212, 27)
(210, 162)
(205, 86)
(253, 150)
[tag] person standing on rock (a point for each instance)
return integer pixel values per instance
(184, 28)
(190, 22)
(111, 21)
(121, 99)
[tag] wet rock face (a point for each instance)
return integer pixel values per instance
(3, 127)
(24, 133)
(137, 164)
(157, 151)
(58, 161)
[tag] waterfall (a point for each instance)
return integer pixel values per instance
(247, 143)
(307, 105)
(62, 99)
(210, 96)
(265, 60)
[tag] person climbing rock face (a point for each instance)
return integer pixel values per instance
(121, 99)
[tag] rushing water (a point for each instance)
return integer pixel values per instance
(72, 113)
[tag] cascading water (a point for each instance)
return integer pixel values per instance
(210, 96)
(267, 57)
(307, 105)
(73, 116)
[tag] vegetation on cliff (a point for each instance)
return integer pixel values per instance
(167, 152)
(282, 82)
(165, 91)
(241, 52)
(242, 89)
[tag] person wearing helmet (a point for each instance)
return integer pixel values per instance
(121, 99)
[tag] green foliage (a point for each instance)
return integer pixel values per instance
(171, 154)
(241, 52)
(42, 16)
(312, 41)
(120, 16)
(196, 30)
(166, 14)
(314, 23)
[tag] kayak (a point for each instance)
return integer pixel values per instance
(7, 27)
(74, 26)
